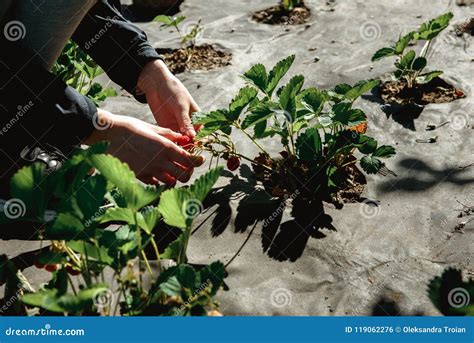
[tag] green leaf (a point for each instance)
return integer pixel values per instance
(215, 273)
(360, 88)
(313, 99)
(427, 77)
(51, 300)
(151, 217)
(431, 29)
(245, 96)
(403, 42)
(367, 145)
(384, 151)
(212, 121)
(257, 75)
(261, 112)
(259, 129)
(419, 63)
(173, 250)
(172, 207)
(136, 194)
(288, 94)
(342, 88)
(29, 191)
(86, 201)
(203, 185)
(179, 206)
(125, 215)
(309, 145)
(347, 116)
(277, 73)
(168, 20)
(66, 226)
(406, 60)
(371, 164)
(381, 53)
(99, 253)
(171, 287)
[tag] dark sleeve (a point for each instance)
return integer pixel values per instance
(36, 107)
(118, 46)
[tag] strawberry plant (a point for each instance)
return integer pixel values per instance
(187, 38)
(409, 65)
(320, 133)
(78, 70)
(73, 209)
(289, 5)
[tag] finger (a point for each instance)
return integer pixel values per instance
(184, 158)
(185, 124)
(148, 179)
(165, 132)
(165, 178)
(176, 171)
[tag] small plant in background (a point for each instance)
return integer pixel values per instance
(409, 66)
(320, 132)
(83, 253)
(188, 39)
(78, 70)
(289, 5)
(451, 295)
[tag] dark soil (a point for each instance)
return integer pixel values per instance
(278, 15)
(287, 178)
(434, 92)
(465, 27)
(202, 57)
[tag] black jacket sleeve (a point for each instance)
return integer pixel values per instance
(118, 46)
(36, 108)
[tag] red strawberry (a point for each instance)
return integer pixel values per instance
(233, 163)
(183, 140)
(72, 271)
(39, 265)
(51, 267)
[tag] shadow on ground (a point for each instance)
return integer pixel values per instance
(405, 115)
(282, 241)
(416, 175)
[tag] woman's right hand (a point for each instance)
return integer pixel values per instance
(148, 149)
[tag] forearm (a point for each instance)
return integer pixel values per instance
(118, 46)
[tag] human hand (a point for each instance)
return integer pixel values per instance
(148, 149)
(170, 102)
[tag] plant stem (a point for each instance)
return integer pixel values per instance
(157, 253)
(252, 139)
(253, 161)
(147, 264)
